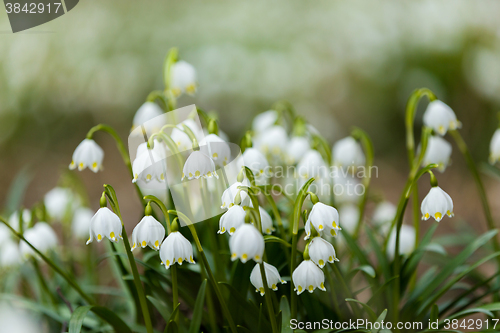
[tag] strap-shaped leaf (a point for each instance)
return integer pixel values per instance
(368, 309)
(285, 315)
(380, 319)
(160, 306)
(76, 321)
(198, 309)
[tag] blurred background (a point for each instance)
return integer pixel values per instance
(340, 63)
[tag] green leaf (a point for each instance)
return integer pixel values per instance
(368, 309)
(243, 329)
(464, 313)
(434, 313)
(274, 239)
(174, 313)
(76, 321)
(160, 306)
(286, 315)
(172, 327)
(355, 249)
(198, 309)
(367, 269)
(380, 319)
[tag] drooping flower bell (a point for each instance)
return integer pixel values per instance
(495, 147)
(264, 120)
(181, 139)
(176, 248)
(80, 224)
(437, 203)
(229, 195)
(350, 218)
(183, 78)
(14, 219)
(297, 147)
(272, 276)
(247, 243)
(308, 276)
(257, 162)
(311, 165)
(105, 223)
(59, 201)
(438, 152)
(148, 166)
(321, 251)
(216, 148)
(157, 146)
(41, 236)
(348, 152)
(87, 154)
(384, 213)
(148, 232)
(199, 165)
(406, 241)
(272, 141)
(231, 220)
(266, 221)
(146, 112)
(323, 218)
(10, 254)
(440, 117)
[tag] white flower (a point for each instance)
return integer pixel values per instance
(175, 249)
(230, 193)
(199, 165)
(158, 147)
(272, 276)
(148, 166)
(216, 148)
(438, 152)
(308, 276)
(247, 243)
(266, 221)
(146, 112)
(81, 222)
(437, 203)
(321, 251)
(15, 318)
(255, 161)
(105, 223)
(272, 141)
(346, 188)
(180, 137)
(41, 236)
(232, 219)
(87, 154)
(440, 117)
(348, 152)
(406, 241)
(5, 234)
(296, 148)
(58, 202)
(183, 78)
(350, 217)
(10, 254)
(264, 120)
(323, 218)
(148, 232)
(384, 212)
(311, 165)
(14, 219)
(495, 147)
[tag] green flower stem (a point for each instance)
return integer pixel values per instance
(52, 265)
(110, 193)
(158, 95)
(462, 146)
(121, 148)
(43, 283)
(209, 272)
(170, 59)
(365, 140)
(345, 288)
(301, 196)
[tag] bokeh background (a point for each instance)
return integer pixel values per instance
(340, 63)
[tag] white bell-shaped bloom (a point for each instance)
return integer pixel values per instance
(406, 241)
(350, 218)
(311, 165)
(346, 189)
(324, 218)
(440, 117)
(183, 78)
(231, 220)
(266, 221)
(148, 166)
(14, 219)
(308, 276)
(158, 147)
(176, 249)
(216, 148)
(272, 141)
(148, 232)
(5, 234)
(41, 236)
(147, 111)
(495, 147)
(438, 152)
(10, 254)
(348, 152)
(247, 243)
(264, 120)
(272, 276)
(181, 139)
(385, 212)
(230, 193)
(257, 162)
(105, 223)
(437, 203)
(87, 154)
(297, 147)
(80, 225)
(58, 202)
(199, 165)
(321, 251)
